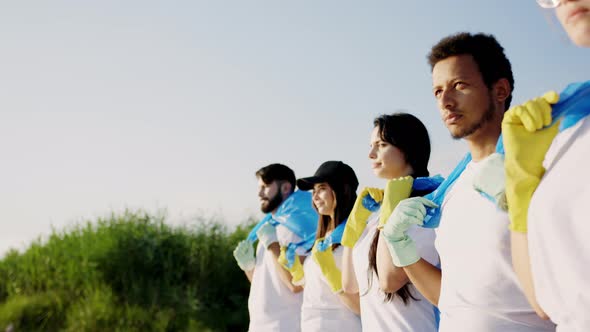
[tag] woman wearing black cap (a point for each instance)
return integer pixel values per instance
(325, 306)
(400, 147)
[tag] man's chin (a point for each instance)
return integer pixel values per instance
(457, 136)
(266, 207)
(464, 134)
(458, 133)
(455, 131)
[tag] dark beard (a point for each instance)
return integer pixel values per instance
(485, 118)
(272, 204)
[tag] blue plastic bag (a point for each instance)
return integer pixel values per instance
(334, 238)
(573, 105)
(296, 213)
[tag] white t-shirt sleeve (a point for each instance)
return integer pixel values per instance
(424, 240)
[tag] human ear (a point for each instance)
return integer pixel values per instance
(501, 90)
(285, 189)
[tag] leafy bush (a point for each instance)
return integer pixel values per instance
(129, 272)
(41, 312)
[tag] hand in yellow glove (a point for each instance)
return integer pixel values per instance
(525, 145)
(396, 190)
(296, 270)
(357, 220)
(327, 263)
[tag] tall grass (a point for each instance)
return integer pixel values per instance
(128, 272)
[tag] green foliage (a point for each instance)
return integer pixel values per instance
(41, 312)
(99, 311)
(131, 272)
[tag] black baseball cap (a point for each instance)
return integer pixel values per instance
(335, 173)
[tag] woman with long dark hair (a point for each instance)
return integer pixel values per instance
(399, 152)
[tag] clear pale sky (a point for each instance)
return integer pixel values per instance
(175, 104)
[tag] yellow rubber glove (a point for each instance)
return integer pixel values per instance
(525, 145)
(296, 270)
(396, 190)
(357, 220)
(327, 263)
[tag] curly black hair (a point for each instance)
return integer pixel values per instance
(485, 50)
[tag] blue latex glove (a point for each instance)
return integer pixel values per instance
(244, 255)
(408, 212)
(267, 235)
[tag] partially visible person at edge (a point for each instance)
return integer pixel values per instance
(274, 303)
(399, 150)
(325, 307)
(476, 288)
(545, 186)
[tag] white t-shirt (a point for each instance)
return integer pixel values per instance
(272, 306)
(559, 230)
(378, 315)
(323, 310)
(479, 289)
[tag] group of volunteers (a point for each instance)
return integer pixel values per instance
(500, 244)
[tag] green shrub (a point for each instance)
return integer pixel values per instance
(129, 272)
(41, 312)
(100, 311)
